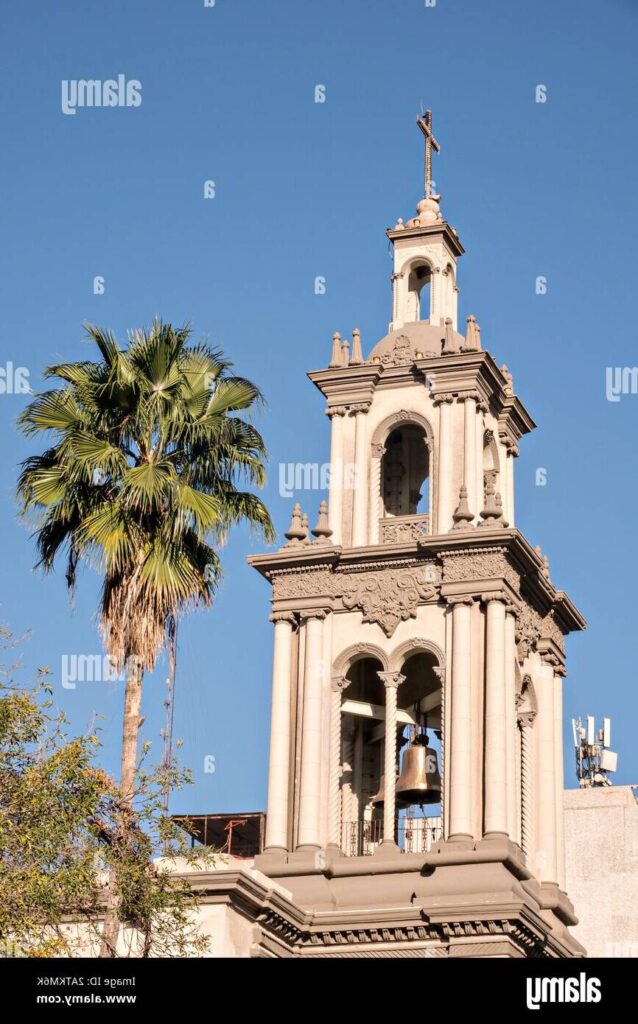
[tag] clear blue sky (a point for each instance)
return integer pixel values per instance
(305, 189)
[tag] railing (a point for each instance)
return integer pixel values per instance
(412, 835)
(398, 529)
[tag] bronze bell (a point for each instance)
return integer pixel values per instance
(419, 781)
(378, 799)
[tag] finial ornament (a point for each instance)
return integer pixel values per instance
(345, 352)
(424, 122)
(336, 350)
(492, 514)
(463, 518)
(322, 531)
(304, 529)
(295, 533)
(472, 335)
(357, 355)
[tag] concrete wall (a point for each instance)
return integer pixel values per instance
(601, 851)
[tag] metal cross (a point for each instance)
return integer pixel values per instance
(424, 122)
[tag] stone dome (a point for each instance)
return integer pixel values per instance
(416, 340)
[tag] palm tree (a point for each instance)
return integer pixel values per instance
(141, 482)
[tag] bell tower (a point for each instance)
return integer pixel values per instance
(416, 780)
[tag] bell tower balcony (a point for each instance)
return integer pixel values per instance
(399, 529)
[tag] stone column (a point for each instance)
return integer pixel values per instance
(460, 754)
(338, 685)
(361, 490)
(377, 451)
(335, 496)
(279, 766)
(348, 816)
(513, 827)
(391, 681)
(560, 777)
(436, 312)
(512, 452)
(445, 505)
(495, 763)
(545, 861)
(525, 723)
(397, 311)
(310, 785)
(469, 458)
(478, 462)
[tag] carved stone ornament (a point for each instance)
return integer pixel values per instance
(401, 354)
(528, 630)
(303, 583)
(388, 598)
(551, 630)
(483, 564)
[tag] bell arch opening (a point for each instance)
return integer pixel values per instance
(419, 783)
(417, 819)
(405, 484)
(362, 735)
(419, 296)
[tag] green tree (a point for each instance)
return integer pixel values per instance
(63, 834)
(141, 481)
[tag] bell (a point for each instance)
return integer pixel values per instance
(378, 799)
(419, 781)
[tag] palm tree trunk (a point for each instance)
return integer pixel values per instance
(130, 731)
(132, 722)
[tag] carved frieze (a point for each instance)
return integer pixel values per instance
(303, 583)
(484, 564)
(388, 597)
(528, 630)
(551, 630)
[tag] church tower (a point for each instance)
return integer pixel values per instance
(415, 802)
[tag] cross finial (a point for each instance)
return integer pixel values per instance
(424, 122)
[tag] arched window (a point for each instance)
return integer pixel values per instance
(405, 472)
(419, 292)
